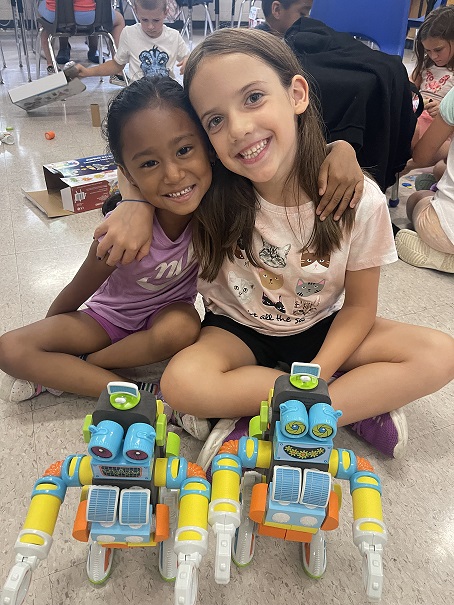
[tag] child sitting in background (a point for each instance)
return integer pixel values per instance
(280, 15)
(143, 312)
(433, 74)
(431, 245)
(84, 14)
(149, 47)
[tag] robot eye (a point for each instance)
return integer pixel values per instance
(139, 442)
(322, 431)
(136, 455)
(101, 452)
(294, 419)
(105, 441)
(323, 421)
(295, 428)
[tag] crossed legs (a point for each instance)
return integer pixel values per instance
(394, 365)
(46, 352)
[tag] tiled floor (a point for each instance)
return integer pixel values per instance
(37, 258)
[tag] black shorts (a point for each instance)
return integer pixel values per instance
(270, 350)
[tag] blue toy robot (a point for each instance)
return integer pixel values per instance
(294, 497)
(136, 492)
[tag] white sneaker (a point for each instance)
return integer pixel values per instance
(200, 428)
(14, 390)
(412, 250)
(226, 429)
(117, 80)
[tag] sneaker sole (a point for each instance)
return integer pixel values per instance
(400, 422)
(220, 431)
(412, 250)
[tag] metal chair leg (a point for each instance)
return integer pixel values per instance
(50, 39)
(216, 14)
(394, 199)
(38, 53)
(208, 22)
(4, 63)
(20, 32)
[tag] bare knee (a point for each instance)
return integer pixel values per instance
(13, 352)
(185, 332)
(435, 358)
(181, 382)
(177, 326)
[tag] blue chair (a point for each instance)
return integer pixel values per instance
(416, 22)
(383, 22)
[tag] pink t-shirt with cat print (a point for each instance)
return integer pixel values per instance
(293, 289)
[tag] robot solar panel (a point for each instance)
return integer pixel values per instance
(316, 488)
(134, 507)
(286, 484)
(102, 504)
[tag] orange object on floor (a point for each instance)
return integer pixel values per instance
(50, 135)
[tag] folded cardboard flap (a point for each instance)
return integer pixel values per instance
(48, 202)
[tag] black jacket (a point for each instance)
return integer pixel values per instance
(364, 94)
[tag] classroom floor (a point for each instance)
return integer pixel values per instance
(38, 257)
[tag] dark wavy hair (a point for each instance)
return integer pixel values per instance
(227, 214)
(438, 24)
(155, 92)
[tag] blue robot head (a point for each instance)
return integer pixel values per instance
(306, 427)
(117, 454)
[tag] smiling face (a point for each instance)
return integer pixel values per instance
(438, 50)
(165, 155)
(250, 118)
(151, 21)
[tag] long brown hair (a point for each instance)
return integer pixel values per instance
(227, 214)
(438, 24)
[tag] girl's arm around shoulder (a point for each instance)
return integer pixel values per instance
(340, 180)
(353, 322)
(128, 230)
(92, 273)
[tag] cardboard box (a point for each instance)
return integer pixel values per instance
(75, 185)
(45, 90)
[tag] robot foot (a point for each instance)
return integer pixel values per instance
(168, 559)
(314, 556)
(99, 563)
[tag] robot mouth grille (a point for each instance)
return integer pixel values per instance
(121, 471)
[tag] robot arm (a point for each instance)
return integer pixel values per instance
(35, 539)
(225, 512)
(186, 482)
(369, 531)
(191, 537)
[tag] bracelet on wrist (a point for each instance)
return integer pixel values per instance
(130, 200)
